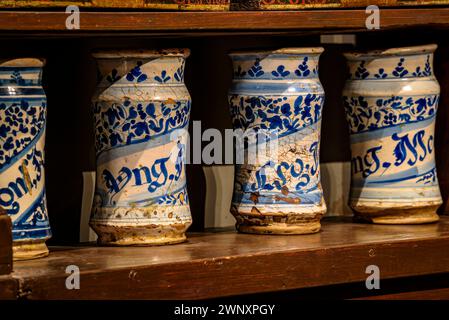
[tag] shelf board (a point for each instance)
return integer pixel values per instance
(255, 21)
(5, 243)
(227, 263)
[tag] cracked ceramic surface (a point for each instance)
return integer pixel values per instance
(279, 92)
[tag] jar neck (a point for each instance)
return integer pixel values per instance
(15, 76)
(141, 71)
(391, 67)
(275, 66)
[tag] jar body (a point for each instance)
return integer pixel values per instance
(278, 94)
(391, 102)
(23, 112)
(141, 114)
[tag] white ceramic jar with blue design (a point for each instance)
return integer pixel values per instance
(391, 101)
(278, 93)
(141, 113)
(23, 109)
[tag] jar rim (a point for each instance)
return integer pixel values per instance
(287, 51)
(23, 62)
(142, 53)
(412, 50)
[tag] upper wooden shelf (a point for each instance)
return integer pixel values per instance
(227, 263)
(220, 21)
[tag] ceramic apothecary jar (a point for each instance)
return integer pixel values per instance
(23, 110)
(391, 101)
(276, 100)
(141, 112)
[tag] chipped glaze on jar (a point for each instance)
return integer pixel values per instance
(391, 102)
(141, 112)
(23, 116)
(279, 92)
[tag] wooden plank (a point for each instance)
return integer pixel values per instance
(219, 21)
(310, 4)
(133, 4)
(8, 288)
(225, 264)
(5, 243)
(425, 287)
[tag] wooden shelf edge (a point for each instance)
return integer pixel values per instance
(9, 288)
(227, 264)
(42, 21)
(5, 243)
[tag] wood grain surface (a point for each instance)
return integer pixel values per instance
(5, 243)
(225, 264)
(220, 21)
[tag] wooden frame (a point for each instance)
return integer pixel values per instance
(323, 20)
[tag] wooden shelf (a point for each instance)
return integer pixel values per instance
(220, 21)
(226, 263)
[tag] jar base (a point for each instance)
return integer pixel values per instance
(256, 222)
(281, 228)
(109, 235)
(398, 215)
(27, 250)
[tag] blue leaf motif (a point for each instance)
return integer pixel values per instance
(381, 74)
(179, 74)
(421, 105)
(115, 138)
(303, 68)
(285, 109)
(427, 69)
(140, 128)
(113, 77)
(142, 78)
(8, 145)
(126, 126)
(361, 72)
(297, 105)
(280, 72)
(163, 78)
(136, 74)
(150, 109)
(256, 70)
(400, 71)
(275, 122)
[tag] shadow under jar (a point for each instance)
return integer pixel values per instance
(391, 101)
(276, 101)
(23, 119)
(141, 113)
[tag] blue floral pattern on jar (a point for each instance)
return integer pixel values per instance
(141, 119)
(279, 94)
(391, 101)
(23, 108)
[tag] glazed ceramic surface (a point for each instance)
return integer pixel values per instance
(23, 108)
(140, 108)
(280, 92)
(391, 102)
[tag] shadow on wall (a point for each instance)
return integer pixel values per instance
(336, 180)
